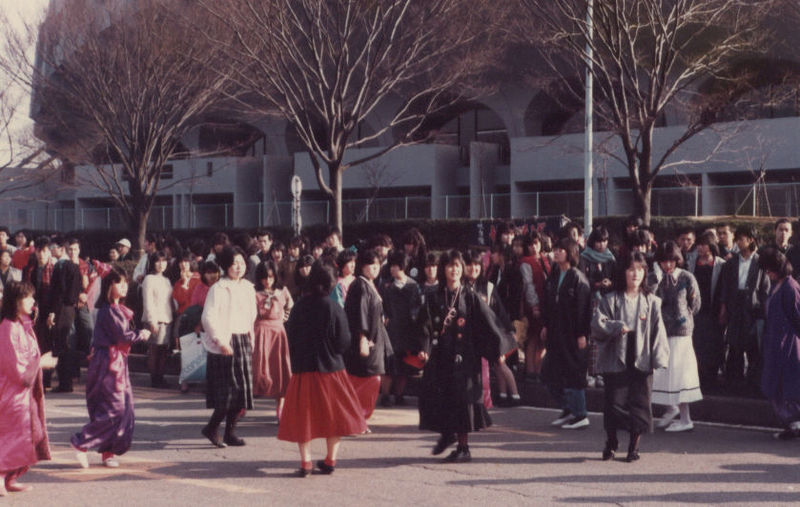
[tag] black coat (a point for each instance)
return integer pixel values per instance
(567, 315)
(451, 391)
(318, 335)
(402, 307)
(364, 309)
(743, 307)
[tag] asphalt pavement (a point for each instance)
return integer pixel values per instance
(521, 460)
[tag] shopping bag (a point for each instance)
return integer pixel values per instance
(193, 358)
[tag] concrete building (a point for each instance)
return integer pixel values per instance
(510, 154)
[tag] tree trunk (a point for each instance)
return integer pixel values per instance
(139, 229)
(335, 180)
(641, 200)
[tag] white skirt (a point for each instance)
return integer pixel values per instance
(679, 383)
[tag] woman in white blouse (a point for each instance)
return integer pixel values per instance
(228, 317)
(157, 316)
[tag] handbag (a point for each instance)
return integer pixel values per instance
(193, 358)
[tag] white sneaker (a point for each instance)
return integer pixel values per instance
(111, 463)
(83, 459)
(679, 426)
(576, 423)
(668, 416)
(564, 417)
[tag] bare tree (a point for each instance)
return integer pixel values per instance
(649, 58)
(328, 66)
(117, 87)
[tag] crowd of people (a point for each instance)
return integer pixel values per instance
(329, 332)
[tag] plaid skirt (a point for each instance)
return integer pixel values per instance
(230, 378)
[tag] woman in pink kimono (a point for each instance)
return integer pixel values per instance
(23, 431)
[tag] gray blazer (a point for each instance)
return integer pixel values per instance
(652, 347)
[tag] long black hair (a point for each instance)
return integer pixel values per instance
(113, 277)
(262, 270)
(620, 282)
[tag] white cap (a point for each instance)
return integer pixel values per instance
(124, 242)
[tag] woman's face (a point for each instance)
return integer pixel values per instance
(349, 268)
(536, 247)
(211, 277)
(634, 276)
(667, 266)
(305, 271)
(277, 256)
(269, 281)
(431, 273)
(185, 266)
(559, 255)
(118, 290)
(453, 272)
(472, 271)
(703, 250)
(601, 246)
(25, 305)
(371, 271)
(160, 266)
(238, 268)
(517, 248)
(113, 255)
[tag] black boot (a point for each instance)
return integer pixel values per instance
(633, 448)
(610, 449)
(230, 426)
(443, 443)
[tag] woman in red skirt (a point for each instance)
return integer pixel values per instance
(320, 401)
(271, 367)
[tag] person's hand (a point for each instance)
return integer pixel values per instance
(423, 356)
(226, 350)
(146, 334)
(51, 320)
(625, 330)
(581, 342)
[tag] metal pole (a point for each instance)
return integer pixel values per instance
(446, 206)
(588, 203)
(491, 206)
(754, 200)
(696, 201)
(406, 208)
(537, 204)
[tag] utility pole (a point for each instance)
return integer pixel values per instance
(588, 176)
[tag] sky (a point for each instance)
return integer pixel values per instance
(20, 11)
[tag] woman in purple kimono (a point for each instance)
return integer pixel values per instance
(109, 396)
(780, 378)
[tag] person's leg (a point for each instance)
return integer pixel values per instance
(231, 419)
(328, 465)
(305, 459)
(386, 389)
(279, 408)
(461, 454)
(11, 483)
(502, 384)
(400, 382)
(152, 363)
(211, 430)
(686, 417)
(633, 447)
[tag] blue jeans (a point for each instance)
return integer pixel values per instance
(575, 401)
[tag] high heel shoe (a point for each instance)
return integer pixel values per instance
(609, 450)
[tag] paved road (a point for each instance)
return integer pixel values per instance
(519, 461)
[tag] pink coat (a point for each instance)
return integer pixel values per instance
(23, 432)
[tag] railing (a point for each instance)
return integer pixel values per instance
(749, 200)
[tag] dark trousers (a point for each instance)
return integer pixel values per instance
(64, 347)
(627, 401)
(734, 362)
